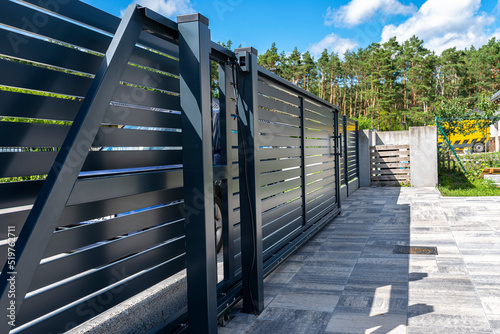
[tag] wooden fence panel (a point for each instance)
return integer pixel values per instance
(390, 165)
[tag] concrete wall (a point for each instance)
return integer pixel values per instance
(390, 138)
(423, 153)
(495, 133)
(365, 137)
(423, 156)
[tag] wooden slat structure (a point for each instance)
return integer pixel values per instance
(390, 165)
(469, 161)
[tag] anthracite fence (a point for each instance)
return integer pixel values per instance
(122, 196)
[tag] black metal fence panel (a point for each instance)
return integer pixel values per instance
(122, 227)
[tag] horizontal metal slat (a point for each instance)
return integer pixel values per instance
(84, 13)
(283, 141)
(119, 293)
(322, 209)
(268, 153)
(319, 142)
(36, 50)
(14, 194)
(275, 240)
(78, 262)
(36, 78)
(50, 135)
(54, 28)
(140, 76)
(104, 160)
(318, 176)
(279, 176)
(39, 304)
(317, 134)
(318, 126)
(317, 168)
(26, 163)
(115, 137)
(102, 188)
(328, 114)
(39, 163)
(281, 211)
(272, 116)
(325, 180)
(266, 102)
(83, 212)
(326, 186)
(87, 234)
(157, 61)
(279, 188)
(315, 151)
(311, 117)
(34, 106)
(267, 90)
(62, 30)
(280, 223)
(274, 165)
(281, 199)
(279, 129)
(147, 98)
(316, 159)
(139, 117)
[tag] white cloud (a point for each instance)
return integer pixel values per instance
(333, 43)
(168, 8)
(443, 24)
(360, 11)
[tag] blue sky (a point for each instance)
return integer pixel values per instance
(335, 25)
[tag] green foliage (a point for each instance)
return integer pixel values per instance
(396, 85)
(455, 183)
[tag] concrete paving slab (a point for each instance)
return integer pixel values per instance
(347, 279)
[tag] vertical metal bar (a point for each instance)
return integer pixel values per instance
(357, 151)
(250, 198)
(225, 76)
(49, 205)
(338, 150)
(195, 90)
(346, 172)
(303, 159)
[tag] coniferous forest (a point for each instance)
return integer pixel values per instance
(392, 85)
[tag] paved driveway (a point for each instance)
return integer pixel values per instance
(348, 280)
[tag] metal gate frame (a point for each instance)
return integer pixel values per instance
(206, 299)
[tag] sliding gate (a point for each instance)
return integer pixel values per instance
(107, 171)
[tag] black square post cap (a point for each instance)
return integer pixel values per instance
(248, 49)
(192, 18)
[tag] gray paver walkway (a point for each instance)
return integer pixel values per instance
(347, 279)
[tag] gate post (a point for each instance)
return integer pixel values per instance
(250, 205)
(346, 171)
(303, 144)
(357, 150)
(337, 153)
(195, 89)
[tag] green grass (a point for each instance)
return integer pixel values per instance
(455, 183)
